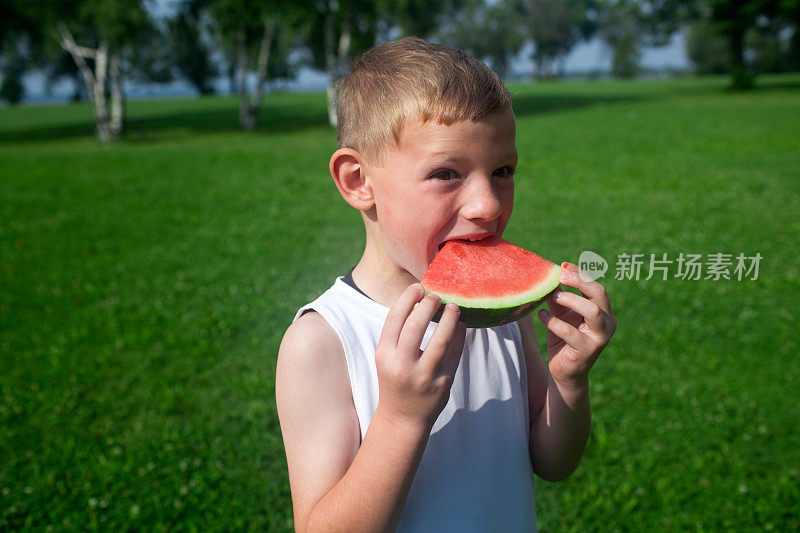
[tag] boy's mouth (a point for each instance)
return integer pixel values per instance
(466, 238)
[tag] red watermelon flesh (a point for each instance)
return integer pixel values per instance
(493, 281)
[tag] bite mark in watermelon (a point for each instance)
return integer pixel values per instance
(492, 281)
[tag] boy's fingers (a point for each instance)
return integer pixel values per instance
(590, 311)
(565, 331)
(398, 314)
(449, 363)
(556, 308)
(437, 346)
(416, 325)
(594, 291)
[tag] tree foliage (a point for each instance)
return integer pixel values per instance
(191, 51)
(732, 19)
(707, 49)
(491, 33)
(555, 27)
(423, 18)
(621, 26)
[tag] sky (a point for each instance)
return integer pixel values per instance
(594, 55)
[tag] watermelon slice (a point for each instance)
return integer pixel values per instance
(493, 281)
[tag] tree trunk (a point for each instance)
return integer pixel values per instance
(741, 78)
(117, 107)
(261, 73)
(95, 81)
(231, 72)
(336, 61)
(241, 75)
(99, 97)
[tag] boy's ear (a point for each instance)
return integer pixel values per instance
(347, 172)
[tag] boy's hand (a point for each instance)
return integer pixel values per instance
(415, 385)
(578, 327)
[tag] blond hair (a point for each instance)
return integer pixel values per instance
(407, 79)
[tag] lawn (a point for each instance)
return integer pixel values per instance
(145, 287)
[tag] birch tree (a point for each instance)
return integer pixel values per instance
(340, 30)
(96, 33)
(250, 30)
(343, 29)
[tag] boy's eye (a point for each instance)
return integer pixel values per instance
(504, 172)
(444, 174)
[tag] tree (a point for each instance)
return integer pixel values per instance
(250, 30)
(423, 18)
(106, 29)
(152, 59)
(190, 50)
(771, 46)
(491, 33)
(733, 19)
(555, 27)
(12, 68)
(11, 89)
(63, 66)
(20, 38)
(621, 27)
(707, 49)
(341, 29)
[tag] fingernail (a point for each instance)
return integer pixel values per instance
(453, 307)
(558, 295)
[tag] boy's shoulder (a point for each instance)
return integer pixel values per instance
(310, 341)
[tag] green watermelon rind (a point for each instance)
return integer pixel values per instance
(491, 312)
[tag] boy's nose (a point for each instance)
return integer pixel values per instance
(482, 202)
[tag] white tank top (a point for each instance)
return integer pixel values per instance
(475, 473)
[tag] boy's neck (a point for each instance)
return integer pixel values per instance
(379, 278)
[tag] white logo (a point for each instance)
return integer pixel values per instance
(592, 266)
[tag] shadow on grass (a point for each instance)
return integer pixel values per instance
(154, 125)
(535, 104)
(275, 118)
(778, 84)
(155, 121)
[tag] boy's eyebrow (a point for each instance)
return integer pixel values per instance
(447, 155)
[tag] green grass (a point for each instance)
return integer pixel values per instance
(145, 286)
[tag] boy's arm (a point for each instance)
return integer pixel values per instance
(337, 484)
(579, 327)
(315, 407)
(559, 418)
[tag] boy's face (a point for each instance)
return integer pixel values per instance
(444, 182)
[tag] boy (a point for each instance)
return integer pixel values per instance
(393, 422)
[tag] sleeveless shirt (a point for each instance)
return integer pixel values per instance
(475, 473)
